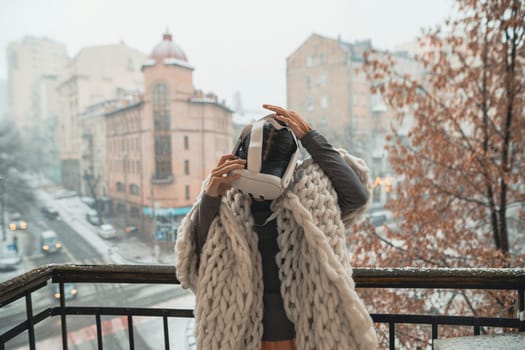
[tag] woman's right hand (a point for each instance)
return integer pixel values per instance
(221, 177)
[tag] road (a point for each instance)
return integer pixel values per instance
(81, 329)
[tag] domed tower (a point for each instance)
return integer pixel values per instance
(167, 64)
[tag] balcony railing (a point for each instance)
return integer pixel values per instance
(475, 279)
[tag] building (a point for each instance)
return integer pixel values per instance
(4, 102)
(162, 145)
(96, 74)
(326, 85)
(43, 149)
(30, 59)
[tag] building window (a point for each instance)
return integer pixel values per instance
(161, 107)
(309, 61)
(186, 167)
(134, 189)
(121, 208)
(135, 212)
(324, 102)
(120, 187)
(161, 116)
(322, 58)
(186, 142)
(308, 81)
(322, 79)
(130, 65)
(376, 194)
(187, 192)
(309, 104)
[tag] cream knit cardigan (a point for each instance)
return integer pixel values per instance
(314, 269)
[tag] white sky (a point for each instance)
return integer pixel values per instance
(233, 44)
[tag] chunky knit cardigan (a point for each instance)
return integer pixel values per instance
(314, 269)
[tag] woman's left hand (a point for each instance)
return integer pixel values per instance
(294, 121)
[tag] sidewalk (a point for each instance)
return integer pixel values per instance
(122, 250)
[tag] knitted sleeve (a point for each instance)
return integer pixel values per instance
(186, 258)
(350, 179)
(361, 169)
(189, 245)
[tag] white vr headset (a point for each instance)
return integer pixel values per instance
(252, 181)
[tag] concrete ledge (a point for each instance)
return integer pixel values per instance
(507, 341)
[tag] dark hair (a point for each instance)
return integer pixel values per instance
(278, 147)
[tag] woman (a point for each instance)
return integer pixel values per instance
(275, 274)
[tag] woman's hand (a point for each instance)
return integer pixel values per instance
(220, 177)
(294, 121)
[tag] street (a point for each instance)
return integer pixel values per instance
(81, 248)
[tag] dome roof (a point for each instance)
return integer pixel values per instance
(167, 49)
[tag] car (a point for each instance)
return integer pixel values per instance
(16, 222)
(70, 290)
(50, 212)
(10, 257)
(92, 217)
(61, 194)
(49, 242)
(379, 218)
(107, 231)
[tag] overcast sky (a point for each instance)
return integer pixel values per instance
(233, 44)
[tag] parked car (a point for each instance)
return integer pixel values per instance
(107, 231)
(70, 290)
(92, 217)
(131, 230)
(64, 194)
(379, 218)
(50, 212)
(49, 242)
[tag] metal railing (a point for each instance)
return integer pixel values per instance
(477, 279)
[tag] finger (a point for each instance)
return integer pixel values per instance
(226, 157)
(228, 167)
(277, 109)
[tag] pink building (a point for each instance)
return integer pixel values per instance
(162, 144)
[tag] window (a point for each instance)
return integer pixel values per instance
(163, 156)
(135, 212)
(376, 194)
(324, 102)
(130, 66)
(309, 104)
(134, 189)
(309, 61)
(187, 192)
(308, 81)
(322, 58)
(186, 142)
(322, 79)
(161, 116)
(161, 107)
(120, 187)
(121, 208)
(186, 167)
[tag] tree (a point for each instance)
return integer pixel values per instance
(13, 161)
(462, 163)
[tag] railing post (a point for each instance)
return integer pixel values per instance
(30, 324)
(99, 331)
(130, 330)
(521, 308)
(63, 316)
(392, 335)
(166, 333)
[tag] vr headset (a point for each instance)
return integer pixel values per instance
(253, 181)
